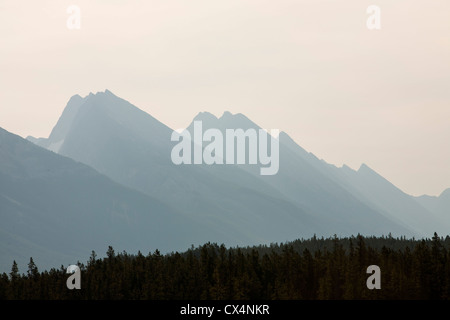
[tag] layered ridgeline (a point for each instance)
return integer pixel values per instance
(347, 199)
(438, 205)
(133, 148)
(54, 209)
(232, 204)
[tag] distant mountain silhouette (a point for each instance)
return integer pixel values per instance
(57, 210)
(133, 148)
(439, 206)
(233, 204)
(344, 202)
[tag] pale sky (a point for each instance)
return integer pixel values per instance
(310, 68)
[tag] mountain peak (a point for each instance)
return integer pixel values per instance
(65, 121)
(205, 116)
(365, 170)
(226, 114)
(97, 94)
(75, 98)
(106, 93)
(445, 193)
(365, 167)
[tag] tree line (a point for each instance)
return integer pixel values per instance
(325, 268)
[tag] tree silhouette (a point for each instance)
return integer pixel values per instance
(326, 268)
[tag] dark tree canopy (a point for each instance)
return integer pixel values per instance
(331, 268)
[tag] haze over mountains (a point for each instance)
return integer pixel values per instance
(107, 179)
(54, 208)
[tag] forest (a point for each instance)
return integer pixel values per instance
(306, 269)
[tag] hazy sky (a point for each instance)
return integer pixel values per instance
(307, 67)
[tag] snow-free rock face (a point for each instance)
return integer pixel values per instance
(57, 211)
(233, 204)
(62, 127)
(133, 148)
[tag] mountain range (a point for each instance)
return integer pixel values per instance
(104, 177)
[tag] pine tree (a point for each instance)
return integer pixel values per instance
(32, 271)
(92, 258)
(437, 268)
(110, 253)
(13, 292)
(14, 274)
